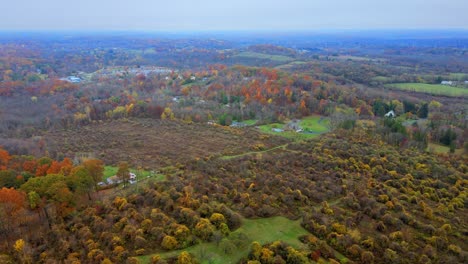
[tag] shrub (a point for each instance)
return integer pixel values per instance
(367, 257)
(454, 249)
(169, 243)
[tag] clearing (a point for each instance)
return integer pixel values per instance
(312, 127)
(110, 171)
(441, 149)
(265, 230)
(436, 89)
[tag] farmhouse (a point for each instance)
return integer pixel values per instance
(446, 83)
(293, 125)
(133, 178)
(116, 180)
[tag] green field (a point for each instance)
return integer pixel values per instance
(263, 230)
(441, 149)
(459, 76)
(256, 55)
(250, 122)
(314, 123)
(436, 89)
(110, 171)
(381, 79)
(313, 126)
(436, 148)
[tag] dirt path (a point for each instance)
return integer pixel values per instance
(254, 152)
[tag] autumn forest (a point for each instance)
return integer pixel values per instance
(233, 148)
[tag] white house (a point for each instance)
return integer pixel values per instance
(446, 83)
(390, 114)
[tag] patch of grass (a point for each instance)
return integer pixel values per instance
(159, 177)
(441, 149)
(256, 55)
(436, 89)
(436, 148)
(265, 230)
(313, 126)
(268, 128)
(422, 122)
(110, 171)
(314, 123)
(250, 122)
(459, 76)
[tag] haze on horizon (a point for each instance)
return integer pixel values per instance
(233, 15)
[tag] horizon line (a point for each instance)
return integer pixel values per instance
(292, 30)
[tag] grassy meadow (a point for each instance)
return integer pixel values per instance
(313, 126)
(264, 230)
(436, 89)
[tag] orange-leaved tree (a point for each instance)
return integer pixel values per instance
(4, 159)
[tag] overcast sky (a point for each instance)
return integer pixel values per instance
(282, 15)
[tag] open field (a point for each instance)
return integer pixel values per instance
(313, 126)
(256, 55)
(436, 89)
(459, 76)
(314, 123)
(250, 122)
(263, 230)
(156, 143)
(381, 79)
(110, 171)
(436, 148)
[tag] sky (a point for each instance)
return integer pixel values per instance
(214, 15)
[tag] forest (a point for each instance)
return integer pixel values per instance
(233, 148)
